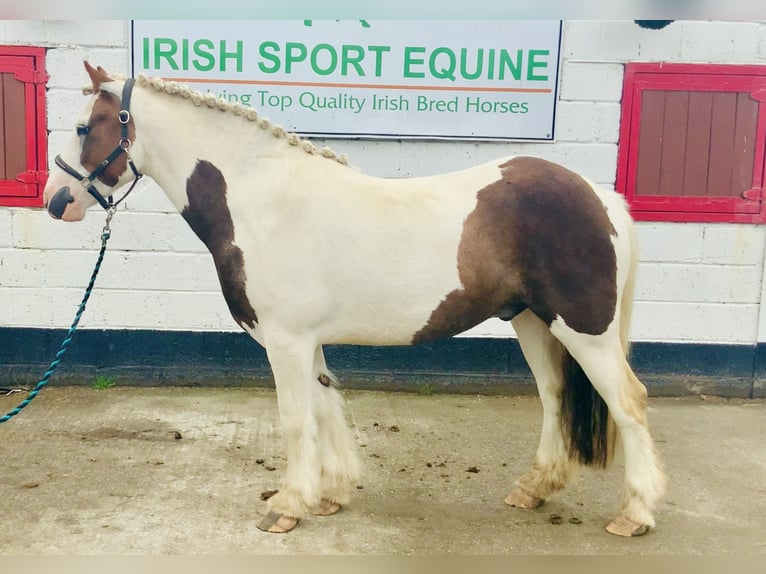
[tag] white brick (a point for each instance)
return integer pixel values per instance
(581, 39)
(734, 244)
(591, 81)
(5, 227)
(670, 242)
(698, 283)
(587, 122)
(131, 270)
(694, 322)
(20, 268)
(724, 42)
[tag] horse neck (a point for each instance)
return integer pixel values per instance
(172, 135)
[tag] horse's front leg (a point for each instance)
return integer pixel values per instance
(292, 362)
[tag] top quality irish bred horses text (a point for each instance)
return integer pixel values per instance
(311, 252)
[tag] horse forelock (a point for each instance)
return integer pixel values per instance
(209, 100)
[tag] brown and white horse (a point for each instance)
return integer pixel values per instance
(311, 252)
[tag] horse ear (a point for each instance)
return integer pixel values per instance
(97, 75)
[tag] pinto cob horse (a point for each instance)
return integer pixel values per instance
(312, 252)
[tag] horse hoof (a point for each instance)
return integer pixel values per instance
(522, 499)
(325, 508)
(277, 523)
(624, 526)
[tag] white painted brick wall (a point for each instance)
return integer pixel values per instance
(697, 282)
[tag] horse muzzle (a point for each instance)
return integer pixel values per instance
(58, 203)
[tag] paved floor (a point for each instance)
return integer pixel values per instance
(181, 471)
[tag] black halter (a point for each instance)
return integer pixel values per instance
(122, 146)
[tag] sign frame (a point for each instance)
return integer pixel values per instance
(357, 79)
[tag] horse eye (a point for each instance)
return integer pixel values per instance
(82, 130)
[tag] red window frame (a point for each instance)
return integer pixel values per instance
(751, 207)
(27, 64)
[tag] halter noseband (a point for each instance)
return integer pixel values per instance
(122, 146)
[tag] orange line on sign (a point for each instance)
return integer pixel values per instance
(378, 86)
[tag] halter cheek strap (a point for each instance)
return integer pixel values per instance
(122, 146)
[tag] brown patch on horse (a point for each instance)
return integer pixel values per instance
(208, 215)
(104, 133)
(539, 238)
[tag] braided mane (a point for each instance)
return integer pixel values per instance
(250, 114)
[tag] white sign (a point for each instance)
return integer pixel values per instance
(483, 80)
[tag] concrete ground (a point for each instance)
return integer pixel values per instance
(181, 471)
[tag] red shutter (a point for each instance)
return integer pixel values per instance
(23, 136)
(692, 142)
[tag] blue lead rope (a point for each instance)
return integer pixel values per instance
(55, 363)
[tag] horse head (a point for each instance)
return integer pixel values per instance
(96, 160)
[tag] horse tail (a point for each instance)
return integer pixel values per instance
(587, 424)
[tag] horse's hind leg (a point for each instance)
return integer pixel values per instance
(603, 360)
(337, 448)
(552, 466)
